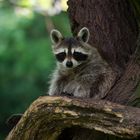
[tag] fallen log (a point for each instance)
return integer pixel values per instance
(48, 116)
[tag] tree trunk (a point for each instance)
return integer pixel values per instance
(114, 31)
(112, 25)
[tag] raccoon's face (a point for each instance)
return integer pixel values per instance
(71, 52)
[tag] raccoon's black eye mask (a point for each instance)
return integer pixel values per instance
(61, 56)
(79, 56)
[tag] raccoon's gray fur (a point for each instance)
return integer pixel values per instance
(81, 71)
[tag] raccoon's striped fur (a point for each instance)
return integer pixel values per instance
(80, 71)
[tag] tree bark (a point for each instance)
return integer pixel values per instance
(112, 25)
(114, 31)
(47, 117)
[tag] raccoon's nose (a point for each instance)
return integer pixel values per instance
(69, 64)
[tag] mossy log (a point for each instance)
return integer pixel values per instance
(48, 116)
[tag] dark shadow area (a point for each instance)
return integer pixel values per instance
(77, 133)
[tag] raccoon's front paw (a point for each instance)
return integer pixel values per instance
(76, 90)
(66, 94)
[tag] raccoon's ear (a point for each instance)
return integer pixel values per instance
(56, 36)
(84, 34)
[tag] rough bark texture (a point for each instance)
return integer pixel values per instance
(114, 32)
(112, 26)
(48, 116)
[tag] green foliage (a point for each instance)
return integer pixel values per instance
(136, 8)
(26, 60)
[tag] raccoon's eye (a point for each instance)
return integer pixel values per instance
(79, 56)
(60, 56)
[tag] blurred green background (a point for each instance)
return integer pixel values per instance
(26, 60)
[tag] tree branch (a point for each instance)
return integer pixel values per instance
(48, 116)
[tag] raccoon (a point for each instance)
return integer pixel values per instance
(81, 71)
